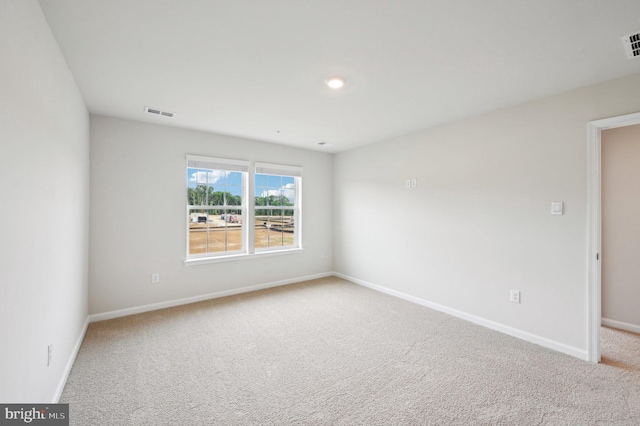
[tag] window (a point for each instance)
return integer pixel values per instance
(277, 202)
(218, 210)
(216, 206)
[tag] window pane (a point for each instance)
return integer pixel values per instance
(233, 196)
(192, 199)
(275, 197)
(201, 177)
(261, 229)
(229, 222)
(261, 180)
(275, 230)
(198, 228)
(215, 197)
(191, 177)
(203, 195)
(234, 236)
(289, 193)
(210, 195)
(234, 179)
(217, 177)
(259, 200)
(262, 195)
(274, 181)
(216, 239)
(288, 227)
(287, 180)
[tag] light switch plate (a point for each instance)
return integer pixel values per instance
(556, 207)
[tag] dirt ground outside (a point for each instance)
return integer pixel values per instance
(204, 238)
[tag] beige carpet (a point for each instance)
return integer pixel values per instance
(327, 352)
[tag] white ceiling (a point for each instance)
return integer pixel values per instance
(255, 67)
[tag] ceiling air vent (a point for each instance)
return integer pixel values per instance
(632, 45)
(158, 112)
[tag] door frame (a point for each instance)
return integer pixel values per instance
(594, 226)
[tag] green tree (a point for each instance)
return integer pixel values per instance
(272, 200)
(203, 195)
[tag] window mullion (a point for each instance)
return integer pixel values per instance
(251, 211)
(297, 212)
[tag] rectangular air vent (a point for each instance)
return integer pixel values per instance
(632, 45)
(158, 112)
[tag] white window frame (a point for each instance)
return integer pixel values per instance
(280, 170)
(248, 170)
(211, 163)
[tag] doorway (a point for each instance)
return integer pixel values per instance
(594, 226)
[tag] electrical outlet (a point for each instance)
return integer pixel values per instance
(414, 182)
(49, 354)
(407, 184)
(514, 296)
(155, 278)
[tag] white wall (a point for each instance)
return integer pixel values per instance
(138, 215)
(44, 183)
(621, 224)
(479, 222)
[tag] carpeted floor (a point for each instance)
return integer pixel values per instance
(328, 352)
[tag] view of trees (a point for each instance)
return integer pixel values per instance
(273, 200)
(203, 195)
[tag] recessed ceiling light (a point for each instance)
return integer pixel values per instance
(335, 82)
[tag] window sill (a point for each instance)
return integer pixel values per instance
(230, 258)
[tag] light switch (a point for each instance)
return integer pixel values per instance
(556, 207)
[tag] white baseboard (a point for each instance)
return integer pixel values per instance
(621, 325)
(177, 302)
(514, 332)
(69, 365)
